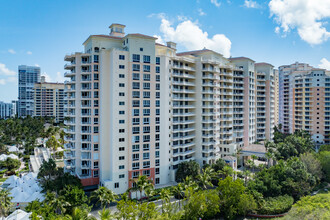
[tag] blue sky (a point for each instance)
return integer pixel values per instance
(40, 32)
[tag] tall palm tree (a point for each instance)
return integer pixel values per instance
(58, 203)
(79, 214)
(5, 202)
(205, 177)
(254, 157)
(227, 171)
(165, 195)
(178, 190)
(246, 174)
(189, 182)
(104, 196)
(142, 182)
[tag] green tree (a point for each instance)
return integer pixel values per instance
(5, 202)
(187, 168)
(142, 183)
(227, 171)
(219, 165)
(79, 213)
(324, 157)
(324, 147)
(205, 177)
(246, 204)
(312, 164)
(57, 202)
(53, 143)
(147, 211)
(105, 214)
(75, 197)
(11, 164)
(127, 210)
(104, 196)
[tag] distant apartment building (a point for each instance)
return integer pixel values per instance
(305, 100)
(49, 100)
(14, 112)
(276, 100)
(136, 107)
(5, 110)
(27, 77)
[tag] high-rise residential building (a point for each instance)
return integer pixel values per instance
(304, 100)
(136, 107)
(276, 100)
(6, 110)
(14, 112)
(27, 77)
(49, 100)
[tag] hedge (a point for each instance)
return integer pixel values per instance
(275, 205)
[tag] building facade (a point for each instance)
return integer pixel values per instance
(136, 107)
(27, 77)
(277, 99)
(6, 110)
(305, 100)
(49, 100)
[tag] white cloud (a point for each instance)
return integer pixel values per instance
(201, 12)
(48, 78)
(251, 4)
(192, 37)
(325, 64)
(59, 77)
(5, 71)
(159, 39)
(216, 3)
(37, 65)
(2, 82)
(29, 53)
(307, 16)
(12, 51)
(277, 30)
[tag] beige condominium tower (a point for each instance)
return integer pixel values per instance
(136, 107)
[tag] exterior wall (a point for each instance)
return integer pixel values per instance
(27, 77)
(276, 98)
(49, 100)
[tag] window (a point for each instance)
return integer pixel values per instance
(121, 84)
(157, 69)
(146, 68)
(146, 129)
(157, 120)
(136, 76)
(157, 163)
(121, 167)
(146, 138)
(136, 67)
(157, 60)
(157, 111)
(121, 139)
(136, 94)
(157, 128)
(146, 112)
(135, 166)
(121, 121)
(146, 85)
(157, 95)
(157, 145)
(157, 103)
(116, 185)
(96, 147)
(136, 85)
(136, 103)
(135, 147)
(136, 58)
(135, 157)
(146, 172)
(96, 164)
(136, 121)
(146, 156)
(136, 112)
(157, 78)
(141, 49)
(146, 59)
(96, 58)
(136, 130)
(157, 154)
(157, 137)
(121, 103)
(96, 49)
(146, 95)
(146, 164)
(122, 57)
(121, 94)
(96, 130)
(96, 173)
(146, 103)
(96, 68)
(122, 158)
(121, 112)
(96, 76)
(146, 77)
(121, 130)
(145, 121)
(122, 149)
(157, 171)
(157, 86)
(136, 139)
(121, 66)
(121, 176)
(146, 147)
(157, 180)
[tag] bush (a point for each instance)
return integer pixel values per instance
(276, 205)
(188, 168)
(26, 158)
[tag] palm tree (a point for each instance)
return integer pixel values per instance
(205, 177)
(254, 157)
(189, 182)
(79, 214)
(165, 195)
(5, 202)
(142, 182)
(105, 214)
(149, 191)
(227, 171)
(178, 190)
(58, 203)
(104, 196)
(246, 174)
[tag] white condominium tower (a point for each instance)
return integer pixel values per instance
(136, 107)
(27, 77)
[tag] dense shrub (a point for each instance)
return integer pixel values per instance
(276, 205)
(187, 168)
